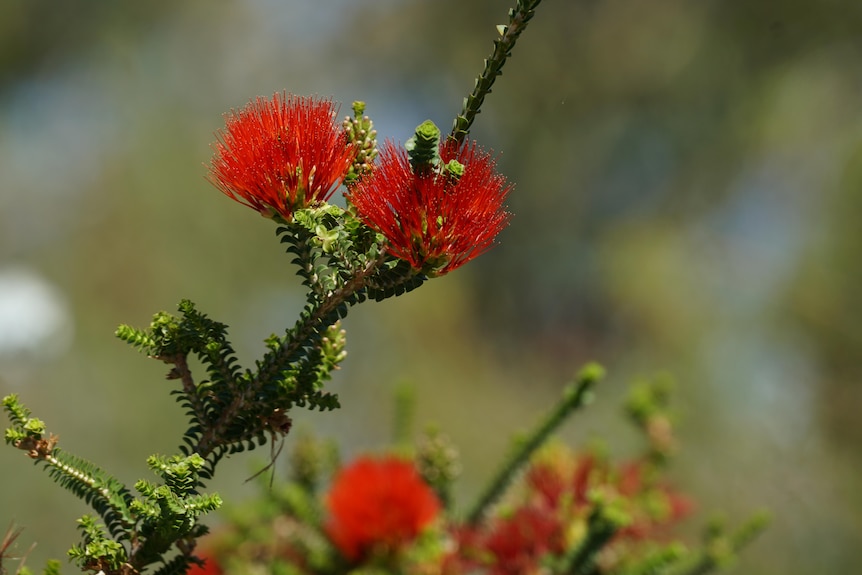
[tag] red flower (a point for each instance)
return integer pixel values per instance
(210, 566)
(435, 220)
(560, 474)
(548, 480)
(465, 553)
(656, 506)
(378, 505)
(585, 469)
(519, 542)
(280, 155)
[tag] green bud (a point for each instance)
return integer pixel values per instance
(35, 426)
(326, 237)
(454, 169)
(423, 147)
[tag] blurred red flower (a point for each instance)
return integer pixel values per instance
(561, 484)
(434, 220)
(281, 154)
(378, 505)
(519, 542)
(660, 506)
(210, 566)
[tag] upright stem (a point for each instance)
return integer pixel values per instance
(575, 396)
(518, 18)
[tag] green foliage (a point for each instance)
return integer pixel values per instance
(658, 560)
(393, 278)
(52, 567)
(104, 493)
(439, 464)
(518, 19)
(169, 511)
(18, 415)
(341, 263)
(647, 406)
(134, 532)
(720, 547)
(97, 552)
(605, 519)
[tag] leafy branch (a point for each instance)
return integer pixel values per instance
(233, 409)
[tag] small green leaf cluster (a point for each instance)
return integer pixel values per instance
(169, 511)
(647, 406)
(25, 429)
(98, 552)
(340, 258)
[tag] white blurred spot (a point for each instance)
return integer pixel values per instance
(35, 322)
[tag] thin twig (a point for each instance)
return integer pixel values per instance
(575, 396)
(518, 18)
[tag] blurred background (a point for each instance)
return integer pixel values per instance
(687, 201)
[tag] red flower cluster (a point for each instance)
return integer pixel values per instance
(519, 542)
(378, 505)
(435, 220)
(556, 509)
(280, 155)
(652, 507)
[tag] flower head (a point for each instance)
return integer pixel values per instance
(436, 217)
(378, 505)
(281, 154)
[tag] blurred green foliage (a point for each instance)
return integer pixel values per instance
(687, 195)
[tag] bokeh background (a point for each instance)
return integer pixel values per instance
(688, 201)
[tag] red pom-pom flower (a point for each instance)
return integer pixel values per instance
(436, 219)
(282, 154)
(378, 505)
